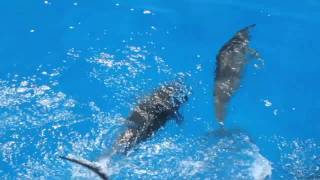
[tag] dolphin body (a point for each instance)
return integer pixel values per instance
(150, 114)
(230, 64)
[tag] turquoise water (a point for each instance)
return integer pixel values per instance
(70, 72)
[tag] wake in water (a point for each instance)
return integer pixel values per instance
(59, 125)
(41, 121)
(228, 156)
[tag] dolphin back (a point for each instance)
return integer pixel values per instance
(230, 64)
(151, 113)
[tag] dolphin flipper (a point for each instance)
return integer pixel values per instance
(178, 117)
(253, 54)
(89, 165)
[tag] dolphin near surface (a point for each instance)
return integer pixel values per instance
(230, 64)
(148, 116)
(152, 113)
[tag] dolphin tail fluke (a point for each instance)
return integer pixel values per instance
(89, 165)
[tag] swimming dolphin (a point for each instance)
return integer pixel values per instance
(150, 114)
(231, 61)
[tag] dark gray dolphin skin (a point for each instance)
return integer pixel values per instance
(150, 114)
(231, 61)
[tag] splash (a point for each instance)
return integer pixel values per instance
(229, 157)
(299, 158)
(261, 168)
(38, 122)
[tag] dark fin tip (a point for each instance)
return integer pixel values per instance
(250, 26)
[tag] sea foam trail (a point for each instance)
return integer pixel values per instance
(261, 168)
(231, 156)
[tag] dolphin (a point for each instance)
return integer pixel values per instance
(230, 64)
(152, 113)
(148, 116)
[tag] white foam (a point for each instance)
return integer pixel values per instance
(275, 112)
(199, 67)
(45, 87)
(22, 89)
(24, 83)
(147, 12)
(191, 167)
(45, 102)
(267, 103)
(261, 168)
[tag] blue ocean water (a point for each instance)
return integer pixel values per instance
(70, 73)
